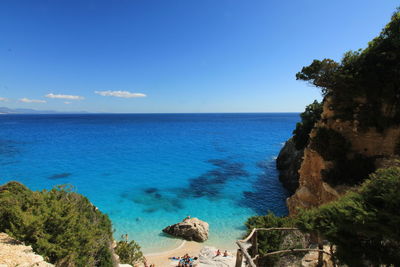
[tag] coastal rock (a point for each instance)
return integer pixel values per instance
(311, 259)
(313, 190)
(291, 239)
(191, 229)
(15, 253)
(288, 163)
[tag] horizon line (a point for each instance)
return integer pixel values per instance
(146, 113)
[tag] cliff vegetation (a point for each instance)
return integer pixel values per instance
(348, 174)
(362, 225)
(370, 77)
(61, 225)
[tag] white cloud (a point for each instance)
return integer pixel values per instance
(124, 94)
(3, 99)
(67, 102)
(70, 97)
(27, 100)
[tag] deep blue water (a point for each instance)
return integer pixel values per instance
(147, 171)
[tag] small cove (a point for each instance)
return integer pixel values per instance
(147, 171)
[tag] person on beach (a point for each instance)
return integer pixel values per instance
(184, 263)
(226, 253)
(218, 253)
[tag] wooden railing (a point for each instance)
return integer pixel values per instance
(250, 253)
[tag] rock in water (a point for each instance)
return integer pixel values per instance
(191, 229)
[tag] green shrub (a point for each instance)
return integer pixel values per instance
(129, 252)
(364, 225)
(309, 117)
(331, 145)
(59, 224)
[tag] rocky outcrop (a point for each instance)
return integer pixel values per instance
(288, 163)
(191, 229)
(313, 191)
(292, 239)
(15, 253)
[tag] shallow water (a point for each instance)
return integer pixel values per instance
(147, 171)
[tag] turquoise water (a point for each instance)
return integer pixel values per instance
(147, 171)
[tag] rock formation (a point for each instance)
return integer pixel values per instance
(288, 163)
(313, 190)
(191, 229)
(15, 253)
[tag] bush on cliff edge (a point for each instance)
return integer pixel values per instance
(129, 252)
(364, 225)
(59, 224)
(370, 74)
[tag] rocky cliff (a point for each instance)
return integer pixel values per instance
(288, 163)
(363, 153)
(360, 122)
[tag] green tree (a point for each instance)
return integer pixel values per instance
(371, 74)
(320, 74)
(59, 224)
(129, 252)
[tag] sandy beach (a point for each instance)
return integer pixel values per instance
(161, 259)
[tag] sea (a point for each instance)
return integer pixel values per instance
(148, 171)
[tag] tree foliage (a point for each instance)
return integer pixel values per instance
(364, 225)
(59, 224)
(320, 74)
(129, 252)
(309, 117)
(372, 74)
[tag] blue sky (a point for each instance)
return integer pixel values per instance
(174, 55)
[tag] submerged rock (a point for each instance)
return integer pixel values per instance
(191, 229)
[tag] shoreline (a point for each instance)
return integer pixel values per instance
(162, 258)
(167, 251)
(186, 247)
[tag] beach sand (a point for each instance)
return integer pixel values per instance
(161, 259)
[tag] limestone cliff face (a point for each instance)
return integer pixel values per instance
(313, 191)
